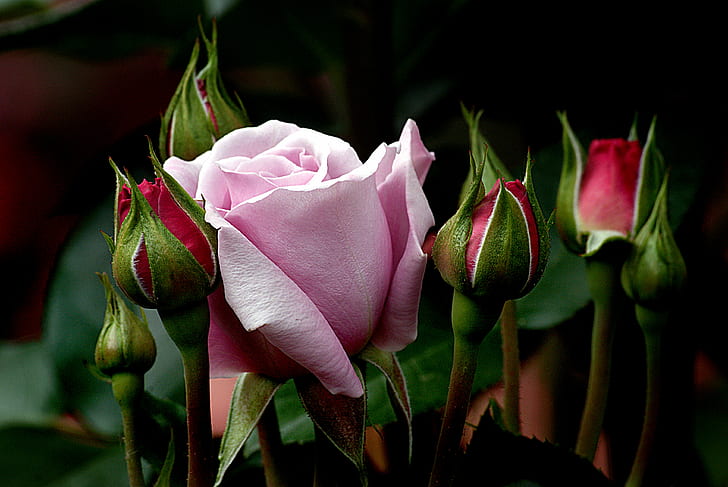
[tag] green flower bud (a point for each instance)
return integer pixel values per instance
(496, 245)
(201, 111)
(654, 273)
(125, 343)
(164, 252)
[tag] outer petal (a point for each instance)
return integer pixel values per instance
(265, 299)
(186, 173)
(233, 349)
(409, 218)
(333, 242)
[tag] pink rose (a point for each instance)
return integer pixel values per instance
(319, 253)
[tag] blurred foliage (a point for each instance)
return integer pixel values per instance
(358, 69)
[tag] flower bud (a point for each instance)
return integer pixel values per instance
(607, 194)
(201, 111)
(496, 245)
(654, 273)
(125, 343)
(164, 252)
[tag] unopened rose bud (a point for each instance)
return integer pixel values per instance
(654, 273)
(125, 343)
(164, 252)
(496, 245)
(201, 111)
(606, 194)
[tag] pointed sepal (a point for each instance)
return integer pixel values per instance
(388, 365)
(341, 419)
(251, 395)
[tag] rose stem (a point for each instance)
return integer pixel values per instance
(188, 328)
(471, 323)
(605, 287)
(271, 447)
(651, 323)
(127, 388)
(511, 368)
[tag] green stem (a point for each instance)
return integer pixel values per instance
(511, 368)
(271, 447)
(188, 328)
(606, 290)
(651, 323)
(471, 323)
(128, 388)
(465, 361)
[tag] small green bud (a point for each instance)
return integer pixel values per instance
(201, 111)
(654, 273)
(125, 343)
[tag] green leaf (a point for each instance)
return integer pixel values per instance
(508, 458)
(340, 418)
(388, 365)
(251, 395)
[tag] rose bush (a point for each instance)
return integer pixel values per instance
(319, 253)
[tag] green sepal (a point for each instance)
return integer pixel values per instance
(652, 174)
(481, 150)
(251, 395)
(597, 239)
(341, 419)
(388, 365)
(574, 160)
(228, 114)
(448, 251)
(542, 223)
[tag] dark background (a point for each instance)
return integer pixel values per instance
(84, 81)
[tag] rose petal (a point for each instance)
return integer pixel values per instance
(186, 173)
(348, 281)
(609, 186)
(233, 349)
(251, 141)
(335, 156)
(265, 299)
(409, 218)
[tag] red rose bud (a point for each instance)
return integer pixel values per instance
(125, 343)
(495, 246)
(607, 194)
(200, 111)
(654, 273)
(164, 253)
